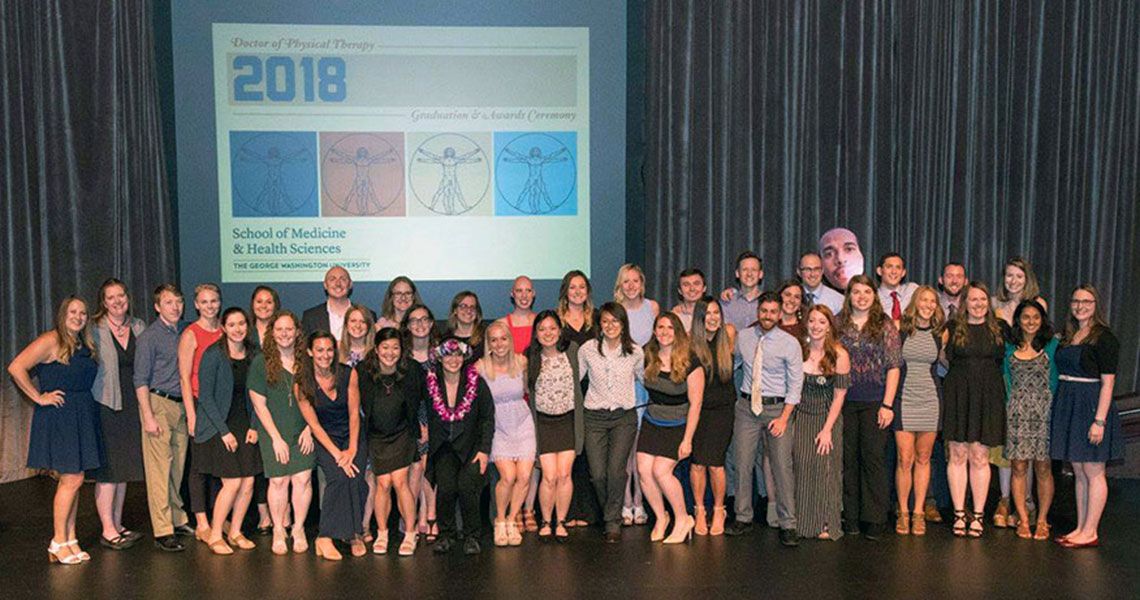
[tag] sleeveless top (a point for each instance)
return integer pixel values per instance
(641, 323)
(520, 334)
(204, 339)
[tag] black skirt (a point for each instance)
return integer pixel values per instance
(212, 458)
(555, 434)
(391, 453)
(655, 440)
(714, 432)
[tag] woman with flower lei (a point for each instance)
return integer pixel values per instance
(461, 425)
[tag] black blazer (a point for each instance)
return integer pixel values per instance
(317, 319)
(478, 425)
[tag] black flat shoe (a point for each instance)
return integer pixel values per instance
(789, 538)
(471, 546)
(738, 528)
(118, 543)
(264, 531)
(184, 530)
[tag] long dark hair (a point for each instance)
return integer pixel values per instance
(534, 350)
(1099, 322)
(388, 305)
(563, 304)
(721, 341)
(616, 311)
(406, 333)
(453, 317)
(223, 341)
(307, 373)
(370, 366)
(1043, 335)
(876, 318)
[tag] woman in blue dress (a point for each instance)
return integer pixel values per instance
(1085, 425)
(66, 435)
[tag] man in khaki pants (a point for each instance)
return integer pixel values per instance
(164, 433)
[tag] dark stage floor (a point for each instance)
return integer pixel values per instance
(937, 566)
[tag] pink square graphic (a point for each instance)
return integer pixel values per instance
(362, 174)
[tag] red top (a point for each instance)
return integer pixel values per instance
(204, 339)
(521, 335)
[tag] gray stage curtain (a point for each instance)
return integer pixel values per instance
(84, 187)
(971, 131)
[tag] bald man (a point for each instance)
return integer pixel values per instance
(329, 315)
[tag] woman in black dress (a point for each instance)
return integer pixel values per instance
(114, 337)
(675, 380)
(579, 325)
(332, 411)
(973, 419)
(714, 431)
(461, 426)
(224, 439)
(391, 392)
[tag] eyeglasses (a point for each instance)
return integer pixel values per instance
(1080, 302)
(402, 294)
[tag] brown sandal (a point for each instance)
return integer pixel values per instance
(220, 547)
(1044, 531)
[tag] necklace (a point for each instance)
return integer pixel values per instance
(447, 413)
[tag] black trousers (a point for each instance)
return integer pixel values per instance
(457, 481)
(865, 484)
(609, 440)
(203, 488)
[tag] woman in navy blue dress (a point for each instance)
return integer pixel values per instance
(1085, 425)
(66, 434)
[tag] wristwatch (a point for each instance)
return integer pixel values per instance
(1098, 422)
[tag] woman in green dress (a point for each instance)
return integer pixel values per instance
(285, 440)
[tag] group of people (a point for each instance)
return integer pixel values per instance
(585, 411)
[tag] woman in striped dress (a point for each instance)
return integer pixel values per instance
(818, 448)
(916, 409)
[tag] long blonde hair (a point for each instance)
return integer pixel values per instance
(273, 365)
(622, 271)
(67, 342)
(909, 322)
(1031, 290)
(679, 357)
(515, 361)
(344, 351)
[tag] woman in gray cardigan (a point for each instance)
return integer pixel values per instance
(556, 404)
(115, 331)
(225, 437)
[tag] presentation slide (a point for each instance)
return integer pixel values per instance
(352, 145)
(459, 143)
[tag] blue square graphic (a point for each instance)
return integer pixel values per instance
(273, 174)
(536, 173)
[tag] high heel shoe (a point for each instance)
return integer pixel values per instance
(682, 531)
(300, 542)
(720, 515)
(902, 524)
(380, 546)
(514, 534)
(659, 528)
(500, 536)
(56, 554)
(326, 549)
(977, 525)
(77, 551)
(959, 526)
(408, 546)
(918, 523)
(701, 519)
(529, 521)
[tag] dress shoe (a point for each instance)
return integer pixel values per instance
(471, 546)
(851, 527)
(168, 543)
(184, 529)
(789, 538)
(738, 528)
(612, 537)
(442, 545)
(874, 532)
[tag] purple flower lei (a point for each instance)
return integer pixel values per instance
(439, 403)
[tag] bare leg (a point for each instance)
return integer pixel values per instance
(1045, 489)
(241, 505)
(904, 468)
(698, 476)
(1097, 490)
(956, 473)
(508, 474)
(652, 493)
(404, 499)
(302, 496)
(105, 506)
(383, 503)
(1017, 485)
(923, 449)
(979, 475)
(223, 503)
(522, 485)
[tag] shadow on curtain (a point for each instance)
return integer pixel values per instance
(971, 131)
(84, 185)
